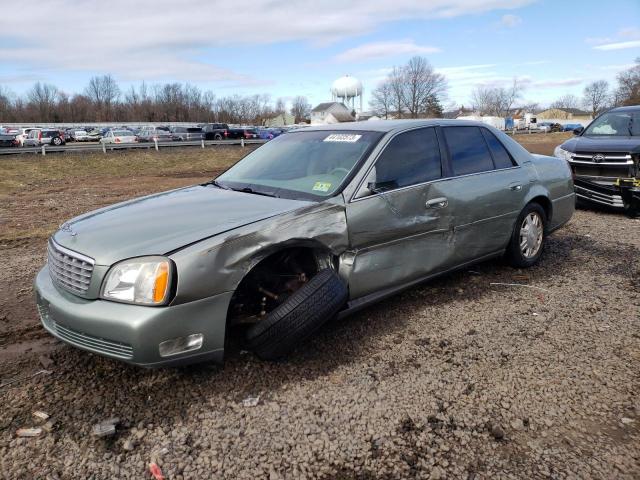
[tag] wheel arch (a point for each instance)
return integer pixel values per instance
(546, 205)
(309, 250)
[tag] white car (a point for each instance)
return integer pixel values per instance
(119, 136)
(22, 135)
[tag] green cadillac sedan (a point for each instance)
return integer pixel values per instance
(313, 225)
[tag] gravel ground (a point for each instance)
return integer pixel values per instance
(457, 378)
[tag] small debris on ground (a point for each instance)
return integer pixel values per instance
(155, 471)
(29, 432)
(40, 415)
(251, 401)
(106, 428)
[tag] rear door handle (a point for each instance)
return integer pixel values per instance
(440, 202)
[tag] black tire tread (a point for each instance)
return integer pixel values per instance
(298, 317)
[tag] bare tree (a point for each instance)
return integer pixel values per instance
(567, 101)
(596, 96)
(628, 91)
(382, 99)
(42, 98)
(300, 108)
(104, 92)
(422, 86)
(497, 101)
(396, 83)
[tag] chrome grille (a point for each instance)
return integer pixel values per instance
(96, 344)
(69, 269)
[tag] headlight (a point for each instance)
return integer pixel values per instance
(562, 153)
(145, 280)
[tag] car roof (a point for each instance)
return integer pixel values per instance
(389, 125)
(630, 108)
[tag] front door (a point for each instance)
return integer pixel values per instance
(400, 219)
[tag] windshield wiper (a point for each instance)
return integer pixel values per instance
(215, 183)
(255, 192)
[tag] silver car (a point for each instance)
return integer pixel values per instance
(315, 224)
(119, 136)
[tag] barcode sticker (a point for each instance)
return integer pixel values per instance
(342, 137)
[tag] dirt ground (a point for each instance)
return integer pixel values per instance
(457, 378)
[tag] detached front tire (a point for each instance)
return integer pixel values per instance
(527, 239)
(296, 319)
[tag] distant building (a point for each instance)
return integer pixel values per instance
(565, 114)
(280, 120)
(331, 112)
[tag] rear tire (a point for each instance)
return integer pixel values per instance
(527, 239)
(295, 320)
(217, 136)
(57, 141)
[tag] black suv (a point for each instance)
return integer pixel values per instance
(215, 131)
(605, 159)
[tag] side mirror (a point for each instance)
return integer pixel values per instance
(578, 131)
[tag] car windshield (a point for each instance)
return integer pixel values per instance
(314, 164)
(618, 124)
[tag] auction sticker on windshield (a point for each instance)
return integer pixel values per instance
(321, 187)
(342, 137)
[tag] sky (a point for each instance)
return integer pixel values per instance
(299, 47)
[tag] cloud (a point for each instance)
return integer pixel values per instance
(624, 38)
(510, 21)
(618, 45)
(370, 51)
(153, 39)
(567, 82)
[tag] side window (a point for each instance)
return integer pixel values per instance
(410, 158)
(469, 152)
(501, 157)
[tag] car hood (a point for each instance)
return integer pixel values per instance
(160, 223)
(602, 144)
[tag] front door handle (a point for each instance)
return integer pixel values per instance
(515, 188)
(440, 202)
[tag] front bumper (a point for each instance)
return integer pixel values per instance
(598, 192)
(132, 333)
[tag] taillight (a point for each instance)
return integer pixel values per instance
(226, 134)
(39, 135)
(117, 139)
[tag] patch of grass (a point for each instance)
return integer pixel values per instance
(18, 170)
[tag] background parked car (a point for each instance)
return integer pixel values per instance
(570, 127)
(268, 133)
(248, 133)
(44, 136)
(187, 133)
(215, 131)
(22, 135)
(75, 135)
(550, 127)
(119, 136)
(152, 134)
(8, 140)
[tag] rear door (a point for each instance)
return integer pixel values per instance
(399, 218)
(485, 192)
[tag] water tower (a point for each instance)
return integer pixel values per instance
(346, 89)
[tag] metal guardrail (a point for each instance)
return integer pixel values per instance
(109, 147)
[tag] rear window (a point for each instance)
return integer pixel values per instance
(50, 133)
(469, 152)
(501, 157)
(194, 130)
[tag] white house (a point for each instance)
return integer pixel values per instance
(330, 112)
